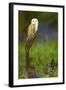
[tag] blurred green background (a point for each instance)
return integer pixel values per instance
(44, 48)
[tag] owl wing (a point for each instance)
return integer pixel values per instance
(31, 31)
(31, 36)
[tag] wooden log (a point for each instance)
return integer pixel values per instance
(29, 68)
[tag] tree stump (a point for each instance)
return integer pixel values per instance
(29, 68)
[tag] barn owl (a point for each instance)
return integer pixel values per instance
(33, 27)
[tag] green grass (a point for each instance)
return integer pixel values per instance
(40, 56)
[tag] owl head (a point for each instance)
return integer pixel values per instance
(34, 21)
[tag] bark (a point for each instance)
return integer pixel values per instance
(29, 68)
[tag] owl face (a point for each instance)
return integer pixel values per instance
(34, 21)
